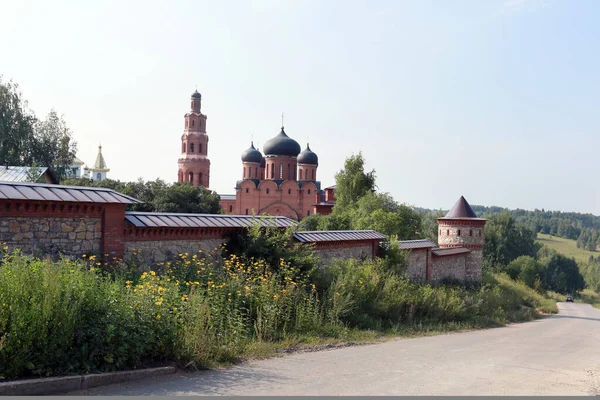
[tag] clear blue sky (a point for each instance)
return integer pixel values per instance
(494, 100)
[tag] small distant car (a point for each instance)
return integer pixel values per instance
(569, 299)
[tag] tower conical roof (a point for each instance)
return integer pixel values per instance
(100, 164)
(461, 209)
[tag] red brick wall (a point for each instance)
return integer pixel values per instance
(113, 224)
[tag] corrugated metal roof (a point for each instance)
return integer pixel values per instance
(416, 244)
(450, 251)
(227, 196)
(18, 174)
(47, 192)
(336, 236)
(175, 220)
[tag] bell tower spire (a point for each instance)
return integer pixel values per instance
(193, 164)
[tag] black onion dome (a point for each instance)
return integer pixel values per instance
(252, 155)
(196, 95)
(308, 157)
(282, 145)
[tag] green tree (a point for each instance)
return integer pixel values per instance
(186, 198)
(527, 269)
(562, 274)
(52, 145)
(24, 140)
(352, 182)
(272, 245)
(506, 240)
(311, 222)
(16, 126)
(380, 212)
(159, 196)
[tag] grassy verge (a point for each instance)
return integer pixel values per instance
(66, 317)
(590, 297)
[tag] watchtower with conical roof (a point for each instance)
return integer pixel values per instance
(461, 227)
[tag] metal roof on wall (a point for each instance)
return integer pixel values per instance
(416, 244)
(176, 220)
(335, 236)
(47, 192)
(18, 174)
(450, 251)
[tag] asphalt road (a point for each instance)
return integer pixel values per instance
(559, 355)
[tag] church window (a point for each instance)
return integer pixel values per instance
(99, 176)
(244, 172)
(246, 211)
(247, 190)
(300, 174)
(280, 170)
(289, 172)
(440, 232)
(191, 147)
(308, 191)
(200, 178)
(192, 122)
(191, 177)
(306, 173)
(313, 174)
(183, 147)
(200, 148)
(289, 191)
(267, 190)
(230, 208)
(272, 171)
(307, 213)
(186, 123)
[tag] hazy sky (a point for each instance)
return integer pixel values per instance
(494, 100)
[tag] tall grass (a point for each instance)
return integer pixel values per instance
(70, 317)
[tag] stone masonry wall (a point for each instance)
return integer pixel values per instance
(448, 267)
(325, 255)
(52, 236)
(417, 265)
(153, 252)
(474, 266)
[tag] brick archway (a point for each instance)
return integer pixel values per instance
(280, 209)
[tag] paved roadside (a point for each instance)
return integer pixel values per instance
(559, 355)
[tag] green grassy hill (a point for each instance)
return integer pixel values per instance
(567, 247)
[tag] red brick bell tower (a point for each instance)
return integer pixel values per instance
(193, 164)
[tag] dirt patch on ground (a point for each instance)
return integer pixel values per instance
(321, 347)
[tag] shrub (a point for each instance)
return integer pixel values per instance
(60, 317)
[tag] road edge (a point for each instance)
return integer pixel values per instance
(64, 384)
